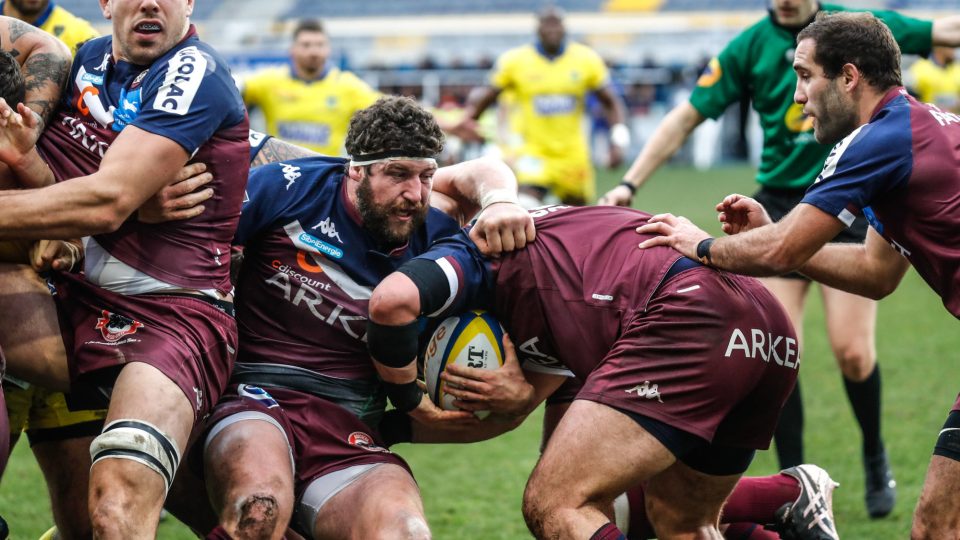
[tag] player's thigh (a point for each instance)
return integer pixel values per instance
(681, 500)
(385, 494)
(851, 325)
(143, 392)
(792, 294)
(616, 455)
(30, 330)
(937, 514)
(247, 458)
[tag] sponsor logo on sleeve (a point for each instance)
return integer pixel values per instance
(711, 74)
(184, 74)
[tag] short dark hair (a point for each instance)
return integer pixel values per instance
(12, 86)
(308, 25)
(394, 124)
(857, 38)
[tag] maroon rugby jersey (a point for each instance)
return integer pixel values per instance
(567, 297)
(186, 95)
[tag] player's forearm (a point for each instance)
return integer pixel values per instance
(475, 107)
(669, 136)
(760, 252)
(32, 171)
(849, 267)
(476, 183)
(489, 428)
(78, 207)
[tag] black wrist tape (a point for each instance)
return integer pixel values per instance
(405, 396)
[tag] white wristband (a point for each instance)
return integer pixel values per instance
(620, 135)
(498, 196)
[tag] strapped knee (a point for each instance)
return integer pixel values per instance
(948, 443)
(141, 442)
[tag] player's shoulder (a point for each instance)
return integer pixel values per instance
(580, 51)
(269, 75)
(313, 169)
(523, 53)
(68, 27)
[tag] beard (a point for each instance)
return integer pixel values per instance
(29, 8)
(836, 119)
(376, 217)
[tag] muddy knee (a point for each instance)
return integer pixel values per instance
(257, 516)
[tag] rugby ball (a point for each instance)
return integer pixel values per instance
(472, 339)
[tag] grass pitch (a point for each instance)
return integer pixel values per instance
(473, 491)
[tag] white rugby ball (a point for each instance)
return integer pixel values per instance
(472, 339)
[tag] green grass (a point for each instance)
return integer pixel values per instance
(473, 491)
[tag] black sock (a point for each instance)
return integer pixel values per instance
(789, 433)
(864, 397)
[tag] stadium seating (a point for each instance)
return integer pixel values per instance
(90, 10)
(387, 8)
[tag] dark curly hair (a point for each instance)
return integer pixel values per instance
(394, 124)
(12, 85)
(857, 38)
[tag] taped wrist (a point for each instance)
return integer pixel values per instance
(392, 346)
(498, 196)
(431, 282)
(396, 427)
(405, 396)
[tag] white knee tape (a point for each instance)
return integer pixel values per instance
(141, 442)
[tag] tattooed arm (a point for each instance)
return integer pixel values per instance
(275, 150)
(45, 62)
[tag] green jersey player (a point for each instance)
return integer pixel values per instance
(758, 65)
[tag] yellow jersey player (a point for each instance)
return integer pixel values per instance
(936, 79)
(51, 18)
(549, 81)
(310, 103)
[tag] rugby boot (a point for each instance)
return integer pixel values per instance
(810, 517)
(881, 488)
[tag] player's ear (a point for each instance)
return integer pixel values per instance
(189, 8)
(355, 173)
(851, 76)
(105, 8)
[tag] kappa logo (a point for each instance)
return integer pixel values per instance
(646, 390)
(328, 228)
(361, 439)
(290, 173)
(104, 64)
(114, 326)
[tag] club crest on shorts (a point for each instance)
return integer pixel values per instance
(114, 327)
(361, 439)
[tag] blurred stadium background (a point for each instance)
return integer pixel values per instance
(437, 50)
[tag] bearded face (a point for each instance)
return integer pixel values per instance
(391, 215)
